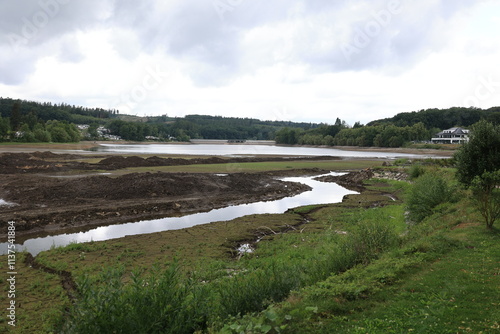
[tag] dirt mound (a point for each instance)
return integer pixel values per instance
(46, 162)
(40, 162)
(11, 163)
(352, 180)
(118, 162)
(138, 185)
(45, 201)
(45, 155)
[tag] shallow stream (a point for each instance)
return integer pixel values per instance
(321, 193)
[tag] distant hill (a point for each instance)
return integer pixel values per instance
(20, 118)
(46, 111)
(442, 118)
(31, 121)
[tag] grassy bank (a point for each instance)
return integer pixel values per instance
(443, 277)
(253, 167)
(352, 267)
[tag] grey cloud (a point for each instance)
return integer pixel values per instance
(70, 51)
(27, 26)
(36, 22)
(198, 33)
(14, 71)
(403, 41)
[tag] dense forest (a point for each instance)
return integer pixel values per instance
(390, 132)
(443, 118)
(28, 121)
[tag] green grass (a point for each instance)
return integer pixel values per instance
(291, 261)
(444, 278)
(355, 267)
(457, 292)
(252, 167)
(215, 290)
(40, 299)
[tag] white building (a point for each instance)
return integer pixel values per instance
(451, 136)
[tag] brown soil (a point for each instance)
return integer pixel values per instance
(48, 162)
(44, 203)
(352, 180)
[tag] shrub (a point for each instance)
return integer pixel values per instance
(162, 302)
(429, 191)
(366, 240)
(416, 171)
(486, 190)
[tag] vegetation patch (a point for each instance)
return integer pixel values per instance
(354, 267)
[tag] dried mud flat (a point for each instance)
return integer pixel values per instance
(42, 203)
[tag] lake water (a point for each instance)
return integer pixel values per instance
(321, 193)
(243, 150)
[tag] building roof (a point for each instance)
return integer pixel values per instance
(454, 131)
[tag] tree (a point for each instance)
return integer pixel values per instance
(15, 116)
(41, 134)
(92, 131)
(486, 190)
(4, 128)
(357, 125)
(26, 134)
(481, 154)
(63, 132)
(478, 167)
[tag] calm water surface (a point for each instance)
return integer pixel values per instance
(242, 150)
(321, 193)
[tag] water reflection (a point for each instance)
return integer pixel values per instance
(242, 150)
(321, 193)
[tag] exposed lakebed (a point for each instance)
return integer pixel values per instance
(320, 193)
(236, 150)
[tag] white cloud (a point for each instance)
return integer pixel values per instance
(309, 60)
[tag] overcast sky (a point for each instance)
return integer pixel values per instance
(298, 60)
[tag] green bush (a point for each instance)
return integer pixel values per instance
(366, 240)
(429, 191)
(486, 190)
(162, 302)
(416, 171)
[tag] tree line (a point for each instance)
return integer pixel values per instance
(391, 132)
(46, 111)
(30, 121)
(201, 127)
(443, 118)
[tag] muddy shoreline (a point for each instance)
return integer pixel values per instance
(43, 203)
(86, 148)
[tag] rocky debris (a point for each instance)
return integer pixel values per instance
(388, 174)
(352, 180)
(356, 178)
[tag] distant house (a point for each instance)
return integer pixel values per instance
(451, 136)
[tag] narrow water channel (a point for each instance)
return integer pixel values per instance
(321, 193)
